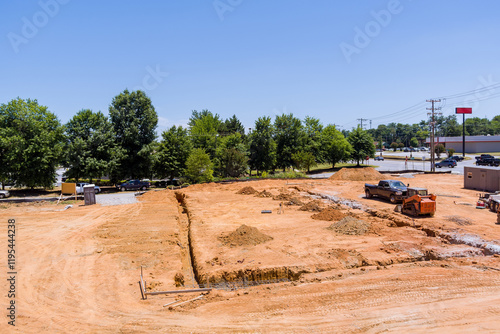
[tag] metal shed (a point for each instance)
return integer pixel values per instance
(482, 178)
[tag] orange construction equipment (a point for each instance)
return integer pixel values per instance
(419, 202)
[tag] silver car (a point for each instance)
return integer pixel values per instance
(4, 193)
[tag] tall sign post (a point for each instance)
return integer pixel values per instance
(463, 111)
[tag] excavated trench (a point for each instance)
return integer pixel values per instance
(189, 270)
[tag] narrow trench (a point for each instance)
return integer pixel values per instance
(188, 269)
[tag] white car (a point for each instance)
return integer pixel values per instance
(4, 193)
(79, 188)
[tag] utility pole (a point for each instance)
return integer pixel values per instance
(361, 120)
(433, 125)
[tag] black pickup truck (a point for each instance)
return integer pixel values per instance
(392, 190)
(488, 162)
(133, 185)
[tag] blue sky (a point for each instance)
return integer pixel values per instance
(335, 60)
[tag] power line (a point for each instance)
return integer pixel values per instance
(433, 124)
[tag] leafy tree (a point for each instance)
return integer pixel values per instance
(312, 138)
(394, 146)
(262, 145)
(362, 145)
(134, 121)
(232, 125)
(173, 152)
(32, 146)
(451, 152)
(335, 146)
(422, 136)
(439, 149)
(304, 160)
(199, 167)
(90, 151)
(204, 130)
(414, 142)
(289, 137)
(232, 157)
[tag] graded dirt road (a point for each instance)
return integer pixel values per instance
(339, 270)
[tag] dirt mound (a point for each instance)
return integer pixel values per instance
(247, 191)
(264, 193)
(329, 214)
(357, 174)
(288, 199)
(350, 226)
(244, 236)
(311, 206)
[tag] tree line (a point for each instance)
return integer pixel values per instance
(395, 135)
(124, 145)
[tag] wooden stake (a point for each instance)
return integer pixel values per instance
(187, 301)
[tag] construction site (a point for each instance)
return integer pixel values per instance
(294, 256)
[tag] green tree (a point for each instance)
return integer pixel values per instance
(32, 147)
(90, 150)
(231, 156)
(172, 153)
(232, 125)
(289, 136)
(414, 142)
(304, 160)
(204, 130)
(262, 145)
(134, 121)
(362, 145)
(394, 146)
(312, 138)
(199, 167)
(439, 149)
(451, 152)
(335, 146)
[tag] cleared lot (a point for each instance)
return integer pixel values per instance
(375, 271)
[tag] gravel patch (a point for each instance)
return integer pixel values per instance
(116, 199)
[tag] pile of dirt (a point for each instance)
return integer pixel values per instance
(288, 199)
(357, 174)
(247, 191)
(311, 206)
(329, 214)
(350, 226)
(264, 193)
(244, 236)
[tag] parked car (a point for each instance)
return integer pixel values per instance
(4, 193)
(134, 185)
(484, 156)
(393, 190)
(79, 188)
(379, 158)
(446, 163)
(488, 162)
(457, 158)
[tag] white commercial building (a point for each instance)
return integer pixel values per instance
(473, 144)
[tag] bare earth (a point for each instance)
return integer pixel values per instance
(355, 267)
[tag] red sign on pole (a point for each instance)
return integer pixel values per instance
(463, 110)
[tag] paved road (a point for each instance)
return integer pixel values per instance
(416, 164)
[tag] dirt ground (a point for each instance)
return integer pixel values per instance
(305, 256)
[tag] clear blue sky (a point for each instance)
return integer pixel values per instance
(335, 60)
